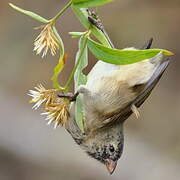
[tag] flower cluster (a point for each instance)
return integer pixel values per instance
(56, 109)
(46, 40)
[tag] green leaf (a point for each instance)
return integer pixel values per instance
(29, 13)
(122, 57)
(80, 79)
(57, 70)
(79, 115)
(76, 34)
(60, 66)
(89, 3)
(82, 15)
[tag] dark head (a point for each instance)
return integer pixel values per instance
(105, 145)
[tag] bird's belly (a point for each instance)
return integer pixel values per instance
(109, 95)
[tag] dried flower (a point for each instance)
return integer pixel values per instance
(56, 109)
(46, 40)
(41, 95)
(58, 112)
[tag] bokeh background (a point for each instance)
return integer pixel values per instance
(30, 150)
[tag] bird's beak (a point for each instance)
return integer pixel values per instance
(111, 165)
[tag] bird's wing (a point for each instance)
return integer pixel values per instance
(123, 114)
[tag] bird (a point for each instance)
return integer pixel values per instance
(112, 93)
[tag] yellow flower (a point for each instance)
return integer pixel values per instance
(46, 40)
(57, 112)
(41, 95)
(56, 109)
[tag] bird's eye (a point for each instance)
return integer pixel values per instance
(111, 148)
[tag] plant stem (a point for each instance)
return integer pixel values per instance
(77, 64)
(61, 12)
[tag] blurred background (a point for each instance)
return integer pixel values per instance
(30, 150)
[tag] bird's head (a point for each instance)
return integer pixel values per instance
(105, 145)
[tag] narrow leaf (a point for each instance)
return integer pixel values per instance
(89, 3)
(76, 34)
(122, 57)
(29, 13)
(62, 58)
(79, 115)
(80, 79)
(57, 70)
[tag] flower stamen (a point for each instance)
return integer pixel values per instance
(55, 108)
(46, 40)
